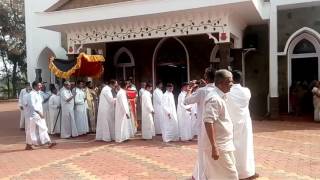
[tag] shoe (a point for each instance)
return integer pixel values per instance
(51, 145)
(28, 147)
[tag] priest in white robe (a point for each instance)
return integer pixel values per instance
(54, 112)
(216, 139)
(37, 131)
(316, 101)
(147, 129)
(122, 116)
(184, 115)
(68, 123)
(21, 104)
(45, 104)
(157, 104)
(106, 113)
(170, 130)
(238, 108)
(80, 109)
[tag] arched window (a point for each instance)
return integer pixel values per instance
(304, 46)
(124, 62)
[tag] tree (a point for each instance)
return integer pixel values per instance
(12, 43)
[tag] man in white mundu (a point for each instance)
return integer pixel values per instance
(122, 117)
(147, 128)
(68, 123)
(169, 128)
(216, 139)
(37, 131)
(80, 109)
(106, 113)
(21, 103)
(238, 108)
(158, 113)
(54, 111)
(198, 97)
(184, 115)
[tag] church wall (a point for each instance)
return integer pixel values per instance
(257, 68)
(199, 48)
(87, 3)
(289, 21)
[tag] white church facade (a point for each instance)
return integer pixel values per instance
(275, 43)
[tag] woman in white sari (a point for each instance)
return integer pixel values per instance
(316, 101)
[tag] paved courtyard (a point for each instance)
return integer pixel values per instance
(287, 149)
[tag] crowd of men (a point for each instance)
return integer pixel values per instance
(214, 110)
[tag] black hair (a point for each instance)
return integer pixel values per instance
(237, 76)
(34, 84)
(169, 85)
(209, 74)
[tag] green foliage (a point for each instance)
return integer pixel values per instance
(12, 44)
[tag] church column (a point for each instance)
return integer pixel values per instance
(273, 63)
(224, 49)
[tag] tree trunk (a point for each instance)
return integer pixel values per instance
(7, 76)
(14, 79)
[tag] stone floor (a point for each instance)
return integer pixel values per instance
(286, 149)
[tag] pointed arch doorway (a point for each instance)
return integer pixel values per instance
(170, 63)
(125, 64)
(303, 68)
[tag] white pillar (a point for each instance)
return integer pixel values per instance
(273, 50)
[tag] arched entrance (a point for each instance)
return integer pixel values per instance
(125, 64)
(42, 69)
(170, 62)
(303, 69)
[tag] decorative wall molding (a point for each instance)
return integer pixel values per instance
(147, 28)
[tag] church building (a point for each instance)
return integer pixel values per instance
(275, 43)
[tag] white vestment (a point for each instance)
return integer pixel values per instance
(194, 121)
(45, 105)
(122, 122)
(169, 128)
(238, 108)
(158, 113)
(106, 114)
(184, 118)
(198, 97)
(37, 128)
(54, 108)
(216, 113)
(147, 117)
(80, 112)
(68, 123)
(316, 103)
(22, 111)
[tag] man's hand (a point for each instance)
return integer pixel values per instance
(215, 153)
(169, 116)
(189, 109)
(21, 108)
(127, 116)
(41, 115)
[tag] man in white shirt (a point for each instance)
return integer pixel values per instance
(216, 139)
(170, 130)
(37, 131)
(68, 123)
(106, 113)
(184, 115)
(80, 109)
(158, 113)
(21, 104)
(238, 108)
(147, 128)
(198, 97)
